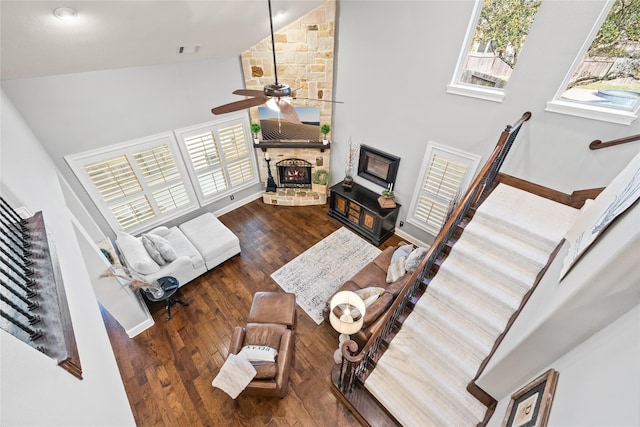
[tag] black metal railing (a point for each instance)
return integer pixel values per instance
(356, 364)
(33, 305)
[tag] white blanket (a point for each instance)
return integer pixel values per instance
(234, 376)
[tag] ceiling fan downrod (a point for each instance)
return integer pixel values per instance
(273, 45)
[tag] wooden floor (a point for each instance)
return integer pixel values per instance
(167, 370)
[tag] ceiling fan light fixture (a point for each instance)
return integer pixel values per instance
(65, 13)
(272, 105)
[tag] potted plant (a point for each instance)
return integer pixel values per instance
(320, 180)
(255, 130)
(386, 199)
(324, 130)
(387, 194)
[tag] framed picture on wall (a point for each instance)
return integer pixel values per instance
(530, 406)
(377, 166)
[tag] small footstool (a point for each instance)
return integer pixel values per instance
(273, 307)
(215, 242)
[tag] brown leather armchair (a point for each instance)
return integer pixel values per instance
(272, 377)
(271, 323)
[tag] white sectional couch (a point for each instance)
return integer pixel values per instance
(199, 244)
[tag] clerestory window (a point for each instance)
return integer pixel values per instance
(604, 80)
(495, 37)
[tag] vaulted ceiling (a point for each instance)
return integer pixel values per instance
(119, 34)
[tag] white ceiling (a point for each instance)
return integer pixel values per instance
(119, 34)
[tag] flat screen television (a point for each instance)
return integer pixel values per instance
(377, 166)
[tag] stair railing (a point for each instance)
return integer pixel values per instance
(597, 144)
(356, 364)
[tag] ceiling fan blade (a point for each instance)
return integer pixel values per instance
(239, 105)
(287, 111)
(248, 92)
(321, 100)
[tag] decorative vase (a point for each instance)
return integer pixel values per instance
(155, 290)
(347, 182)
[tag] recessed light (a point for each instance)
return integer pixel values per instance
(65, 13)
(280, 14)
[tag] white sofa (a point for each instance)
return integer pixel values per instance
(200, 244)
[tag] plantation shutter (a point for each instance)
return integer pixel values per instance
(445, 175)
(121, 190)
(139, 183)
(220, 156)
(236, 154)
(113, 178)
(160, 173)
(440, 190)
(205, 159)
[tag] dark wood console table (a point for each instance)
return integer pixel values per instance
(359, 210)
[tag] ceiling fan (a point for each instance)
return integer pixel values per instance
(276, 96)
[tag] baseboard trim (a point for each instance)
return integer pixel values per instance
(240, 202)
(140, 327)
(411, 239)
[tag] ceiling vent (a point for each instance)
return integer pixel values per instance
(188, 50)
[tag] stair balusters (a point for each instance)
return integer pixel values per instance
(33, 305)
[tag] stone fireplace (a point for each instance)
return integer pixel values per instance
(292, 166)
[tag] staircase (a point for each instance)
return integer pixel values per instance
(422, 377)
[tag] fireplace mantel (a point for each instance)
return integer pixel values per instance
(263, 145)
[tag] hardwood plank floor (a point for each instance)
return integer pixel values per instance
(167, 370)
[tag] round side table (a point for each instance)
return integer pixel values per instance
(170, 286)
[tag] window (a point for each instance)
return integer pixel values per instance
(446, 174)
(136, 184)
(219, 158)
(143, 183)
(604, 81)
(495, 38)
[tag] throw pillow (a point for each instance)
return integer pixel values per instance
(258, 353)
(369, 295)
(135, 254)
(151, 250)
(396, 270)
(163, 246)
(402, 251)
(397, 265)
(414, 259)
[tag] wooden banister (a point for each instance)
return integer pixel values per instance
(597, 144)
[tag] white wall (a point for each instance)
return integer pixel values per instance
(394, 60)
(73, 113)
(599, 380)
(34, 390)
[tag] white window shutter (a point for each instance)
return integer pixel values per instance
(219, 157)
(113, 178)
(136, 184)
(446, 173)
(157, 165)
(203, 151)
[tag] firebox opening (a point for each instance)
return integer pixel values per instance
(294, 173)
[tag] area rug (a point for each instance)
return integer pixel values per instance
(314, 275)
